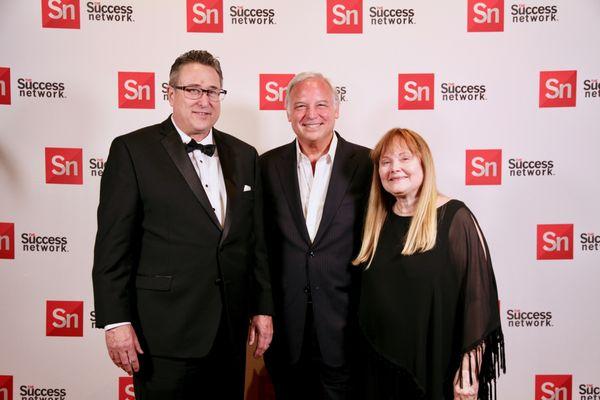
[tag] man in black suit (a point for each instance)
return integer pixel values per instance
(316, 190)
(180, 261)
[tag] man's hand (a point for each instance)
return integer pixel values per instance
(261, 327)
(123, 348)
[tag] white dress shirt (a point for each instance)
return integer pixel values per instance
(211, 175)
(313, 187)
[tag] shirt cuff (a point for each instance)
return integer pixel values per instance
(115, 325)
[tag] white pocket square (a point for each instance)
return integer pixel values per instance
(247, 188)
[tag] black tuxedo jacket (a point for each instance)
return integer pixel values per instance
(162, 260)
(325, 263)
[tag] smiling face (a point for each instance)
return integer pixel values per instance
(312, 111)
(195, 117)
(400, 170)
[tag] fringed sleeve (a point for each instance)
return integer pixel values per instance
(480, 316)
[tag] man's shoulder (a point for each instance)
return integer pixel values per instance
(364, 153)
(360, 149)
(275, 154)
(233, 142)
(141, 135)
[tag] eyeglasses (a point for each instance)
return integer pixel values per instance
(195, 92)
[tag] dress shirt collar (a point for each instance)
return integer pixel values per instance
(330, 153)
(186, 139)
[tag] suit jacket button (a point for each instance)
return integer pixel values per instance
(312, 254)
(218, 281)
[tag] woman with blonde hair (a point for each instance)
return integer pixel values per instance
(429, 304)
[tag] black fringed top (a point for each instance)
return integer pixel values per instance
(421, 313)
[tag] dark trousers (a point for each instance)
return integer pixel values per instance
(311, 377)
(218, 375)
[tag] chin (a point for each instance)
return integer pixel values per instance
(314, 136)
(202, 128)
(397, 192)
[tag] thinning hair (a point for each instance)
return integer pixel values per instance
(194, 56)
(422, 231)
(301, 77)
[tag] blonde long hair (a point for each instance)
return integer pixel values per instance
(423, 225)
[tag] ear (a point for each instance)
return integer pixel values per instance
(170, 94)
(337, 109)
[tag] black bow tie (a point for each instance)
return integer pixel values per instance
(208, 149)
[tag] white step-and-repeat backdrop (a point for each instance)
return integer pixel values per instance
(505, 91)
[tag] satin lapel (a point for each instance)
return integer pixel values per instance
(227, 161)
(288, 177)
(343, 171)
(172, 144)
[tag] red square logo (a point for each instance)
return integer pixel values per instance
(64, 165)
(344, 16)
(553, 387)
(6, 387)
(483, 167)
(4, 87)
(126, 388)
(205, 15)
(273, 91)
(60, 14)
(7, 241)
(558, 88)
(415, 91)
(136, 89)
(64, 318)
(485, 16)
(555, 242)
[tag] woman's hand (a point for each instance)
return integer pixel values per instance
(470, 381)
(468, 391)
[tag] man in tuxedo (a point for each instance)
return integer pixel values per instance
(180, 264)
(316, 190)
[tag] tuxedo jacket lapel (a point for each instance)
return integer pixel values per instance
(288, 176)
(344, 167)
(227, 161)
(174, 147)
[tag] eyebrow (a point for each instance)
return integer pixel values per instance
(402, 152)
(300, 102)
(195, 85)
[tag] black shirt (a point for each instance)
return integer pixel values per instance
(421, 313)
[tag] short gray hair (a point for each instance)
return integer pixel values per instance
(195, 56)
(301, 77)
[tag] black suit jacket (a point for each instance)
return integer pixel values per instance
(325, 263)
(161, 259)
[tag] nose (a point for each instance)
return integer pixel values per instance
(311, 112)
(396, 165)
(203, 100)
